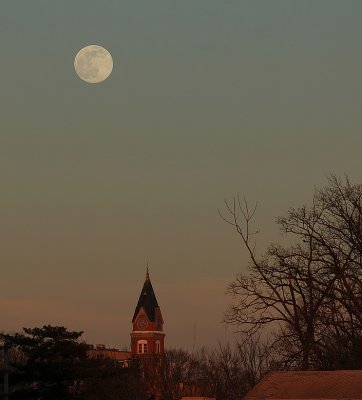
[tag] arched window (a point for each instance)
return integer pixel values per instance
(142, 346)
(158, 346)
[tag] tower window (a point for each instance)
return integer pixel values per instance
(142, 347)
(158, 346)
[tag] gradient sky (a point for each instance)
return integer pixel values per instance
(207, 99)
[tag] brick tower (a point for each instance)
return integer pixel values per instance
(147, 337)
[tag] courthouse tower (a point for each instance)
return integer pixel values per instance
(147, 337)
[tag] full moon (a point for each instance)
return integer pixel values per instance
(93, 63)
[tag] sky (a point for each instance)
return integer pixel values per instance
(207, 99)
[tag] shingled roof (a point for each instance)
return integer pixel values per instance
(308, 385)
(147, 300)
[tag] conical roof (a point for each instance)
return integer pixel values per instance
(147, 300)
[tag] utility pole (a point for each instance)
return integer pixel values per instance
(5, 369)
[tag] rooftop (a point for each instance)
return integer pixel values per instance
(308, 385)
(147, 300)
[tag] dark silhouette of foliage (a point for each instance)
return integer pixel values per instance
(52, 365)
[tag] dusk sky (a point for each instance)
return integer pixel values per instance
(207, 98)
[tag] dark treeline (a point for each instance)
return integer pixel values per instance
(51, 363)
(225, 372)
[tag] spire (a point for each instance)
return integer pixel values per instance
(147, 299)
(147, 273)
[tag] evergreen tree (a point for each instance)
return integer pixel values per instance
(52, 365)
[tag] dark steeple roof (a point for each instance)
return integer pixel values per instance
(147, 300)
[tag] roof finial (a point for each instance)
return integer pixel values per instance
(147, 273)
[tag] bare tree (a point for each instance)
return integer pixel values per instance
(334, 225)
(257, 357)
(215, 373)
(298, 287)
